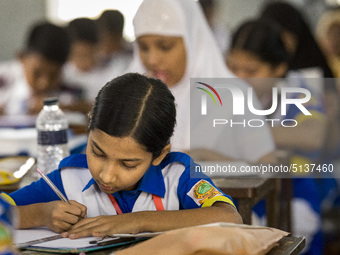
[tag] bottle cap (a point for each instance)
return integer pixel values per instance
(50, 101)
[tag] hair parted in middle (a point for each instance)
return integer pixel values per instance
(133, 105)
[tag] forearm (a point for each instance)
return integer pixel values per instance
(151, 221)
(31, 216)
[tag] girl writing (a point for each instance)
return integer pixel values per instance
(127, 182)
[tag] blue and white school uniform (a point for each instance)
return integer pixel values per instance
(170, 181)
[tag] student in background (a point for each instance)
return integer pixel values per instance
(174, 44)
(265, 56)
(128, 181)
(307, 57)
(219, 29)
(81, 70)
(305, 53)
(35, 74)
(257, 51)
(328, 36)
(84, 42)
(115, 52)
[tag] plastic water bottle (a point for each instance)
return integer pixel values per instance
(52, 129)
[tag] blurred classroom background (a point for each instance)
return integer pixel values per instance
(17, 15)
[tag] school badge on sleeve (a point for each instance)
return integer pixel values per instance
(203, 191)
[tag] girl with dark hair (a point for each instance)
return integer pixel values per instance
(84, 38)
(297, 36)
(175, 44)
(257, 51)
(261, 43)
(128, 174)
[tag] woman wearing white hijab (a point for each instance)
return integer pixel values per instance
(174, 44)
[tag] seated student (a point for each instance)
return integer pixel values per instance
(84, 42)
(82, 69)
(328, 36)
(115, 52)
(266, 57)
(257, 51)
(175, 44)
(305, 53)
(128, 181)
(35, 74)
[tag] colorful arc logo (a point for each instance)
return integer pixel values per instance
(213, 90)
(204, 101)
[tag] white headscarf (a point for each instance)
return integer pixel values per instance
(204, 59)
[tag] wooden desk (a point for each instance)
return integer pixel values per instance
(289, 246)
(248, 192)
(286, 246)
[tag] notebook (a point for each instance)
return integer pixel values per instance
(43, 239)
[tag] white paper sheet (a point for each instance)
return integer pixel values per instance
(22, 236)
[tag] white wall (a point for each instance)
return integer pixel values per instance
(233, 12)
(15, 18)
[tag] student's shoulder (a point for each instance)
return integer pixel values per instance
(176, 165)
(177, 158)
(74, 171)
(74, 161)
(174, 168)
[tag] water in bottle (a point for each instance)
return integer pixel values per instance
(52, 129)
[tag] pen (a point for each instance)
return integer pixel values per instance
(50, 183)
(113, 240)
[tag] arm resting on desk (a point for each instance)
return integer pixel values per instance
(57, 215)
(153, 221)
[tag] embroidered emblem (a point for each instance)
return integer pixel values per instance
(203, 191)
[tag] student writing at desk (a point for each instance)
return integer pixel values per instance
(35, 73)
(127, 170)
(263, 62)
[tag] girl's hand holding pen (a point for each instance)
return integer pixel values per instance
(61, 216)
